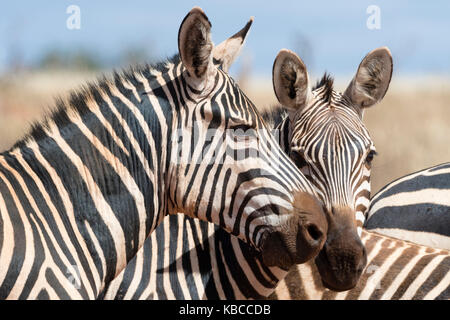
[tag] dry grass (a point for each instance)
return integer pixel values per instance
(410, 127)
(24, 98)
(411, 130)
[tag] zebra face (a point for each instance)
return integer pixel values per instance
(227, 167)
(332, 147)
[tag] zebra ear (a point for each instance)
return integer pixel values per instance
(194, 43)
(226, 52)
(290, 80)
(371, 80)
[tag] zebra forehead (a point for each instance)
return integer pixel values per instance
(340, 120)
(332, 134)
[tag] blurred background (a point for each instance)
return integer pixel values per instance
(49, 47)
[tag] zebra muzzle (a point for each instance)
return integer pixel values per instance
(300, 238)
(343, 257)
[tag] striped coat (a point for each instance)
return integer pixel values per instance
(205, 263)
(80, 194)
(415, 208)
(396, 270)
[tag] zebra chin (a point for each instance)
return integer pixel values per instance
(300, 238)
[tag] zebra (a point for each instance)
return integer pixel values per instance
(415, 207)
(333, 148)
(204, 262)
(397, 270)
(83, 190)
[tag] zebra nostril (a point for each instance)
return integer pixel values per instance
(314, 232)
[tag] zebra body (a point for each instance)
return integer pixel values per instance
(415, 207)
(396, 270)
(211, 264)
(206, 263)
(81, 193)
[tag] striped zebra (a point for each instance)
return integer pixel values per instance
(83, 190)
(331, 145)
(396, 270)
(415, 207)
(204, 262)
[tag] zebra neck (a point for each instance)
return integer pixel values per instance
(282, 133)
(101, 172)
(279, 122)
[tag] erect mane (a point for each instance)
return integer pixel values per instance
(77, 98)
(274, 115)
(327, 81)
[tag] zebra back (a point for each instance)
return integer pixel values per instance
(415, 208)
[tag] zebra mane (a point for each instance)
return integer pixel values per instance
(274, 115)
(327, 81)
(277, 113)
(76, 99)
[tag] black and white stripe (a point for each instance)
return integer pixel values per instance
(206, 263)
(80, 194)
(329, 142)
(396, 270)
(334, 150)
(415, 207)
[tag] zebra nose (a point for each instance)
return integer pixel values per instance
(300, 238)
(310, 240)
(294, 243)
(344, 257)
(312, 227)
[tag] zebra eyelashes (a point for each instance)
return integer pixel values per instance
(242, 128)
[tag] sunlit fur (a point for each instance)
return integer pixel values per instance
(228, 262)
(203, 262)
(82, 191)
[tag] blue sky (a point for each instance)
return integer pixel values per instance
(328, 35)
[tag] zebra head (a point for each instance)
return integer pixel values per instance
(328, 141)
(227, 168)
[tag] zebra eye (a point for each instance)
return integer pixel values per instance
(370, 155)
(241, 128)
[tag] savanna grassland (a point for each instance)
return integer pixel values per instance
(410, 127)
